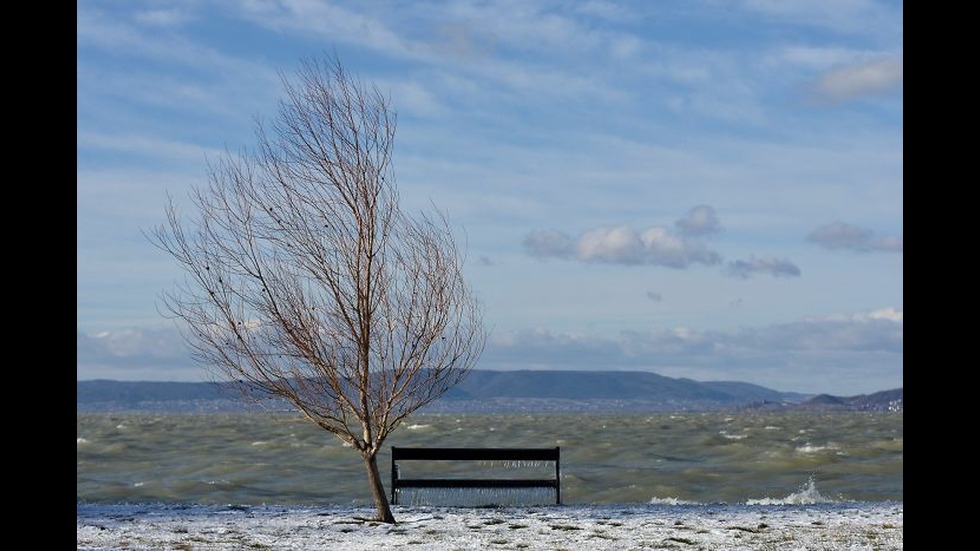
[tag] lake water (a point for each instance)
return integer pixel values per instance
(255, 458)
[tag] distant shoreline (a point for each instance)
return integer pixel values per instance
(507, 392)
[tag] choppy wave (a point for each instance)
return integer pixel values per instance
(606, 459)
(670, 501)
(807, 495)
(810, 448)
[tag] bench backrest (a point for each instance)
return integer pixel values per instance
(475, 454)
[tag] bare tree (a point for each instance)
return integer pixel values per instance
(305, 279)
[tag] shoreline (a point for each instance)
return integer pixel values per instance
(839, 525)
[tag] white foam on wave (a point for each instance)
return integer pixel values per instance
(417, 427)
(670, 501)
(733, 436)
(807, 495)
(80, 441)
(810, 448)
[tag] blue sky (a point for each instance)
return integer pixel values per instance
(705, 189)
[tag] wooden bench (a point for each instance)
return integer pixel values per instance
(475, 454)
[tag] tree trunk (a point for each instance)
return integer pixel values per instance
(378, 489)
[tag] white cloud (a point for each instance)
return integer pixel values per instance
(455, 45)
(95, 30)
(412, 97)
(842, 236)
(867, 78)
(625, 46)
(609, 11)
(839, 235)
(847, 16)
(776, 267)
(163, 17)
(151, 354)
(463, 40)
(664, 248)
(700, 220)
(811, 355)
(145, 145)
(890, 314)
(613, 245)
(889, 244)
(163, 68)
(549, 244)
(527, 26)
(657, 246)
(845, 354)
(517, 120)
(816, 57)
(321, 19)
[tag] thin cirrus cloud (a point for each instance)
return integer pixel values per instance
(848, 237)
(866, 78)
(163, 17)
(776, 267)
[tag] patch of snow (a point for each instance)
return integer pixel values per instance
(156, 526)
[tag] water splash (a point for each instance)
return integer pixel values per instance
(810, 448)
(807, 495)
(670, 501)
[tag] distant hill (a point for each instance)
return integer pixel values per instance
(756, 393)
(608, 385)
(886, 400)
(107, 395)
(481, 391)
(135, 392)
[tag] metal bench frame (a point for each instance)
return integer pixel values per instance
(475, 454)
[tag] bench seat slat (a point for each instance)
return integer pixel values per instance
(475, 454)
(476, 483)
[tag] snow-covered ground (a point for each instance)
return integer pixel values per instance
(835, 526)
